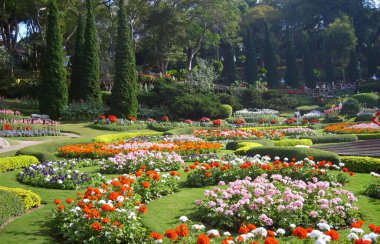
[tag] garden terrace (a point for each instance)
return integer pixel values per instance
(359, 148)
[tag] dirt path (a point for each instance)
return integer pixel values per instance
(22, 144)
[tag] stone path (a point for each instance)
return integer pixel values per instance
(359, 148)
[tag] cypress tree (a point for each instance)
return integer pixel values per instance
(270, 60)
(53, 91)
(229, 66)
(308, 66)
(251, 62)
(91, 81)
(76, 78)
(329, 65)
(353, 70)
(124, 91)
(291, 76)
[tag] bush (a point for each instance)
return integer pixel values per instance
(364, 117)
(117, 127)
(225, 98)
(373, 189)
(233, 145)
(373, 136)
(333, 120)
(122, 136)
(16, 162)
(227, 111)
(82, 111)
(370, 86)
(369, 99)
(361, 164)
(106, 97)
(11, 206)
(331, 138)
(293, 142)
(179, 131)
(41, 156)
(29, 198)
(350, 108)
(243, 147)
(298, 153)
(307, 109)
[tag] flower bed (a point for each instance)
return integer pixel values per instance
(182, 138)
(110, 214)
(215, 171)
(28, 127)
(102, 150)
(250, 134)
(131, 162)
(60, 175)
(276, 201)
(353, 128)
(298, 131)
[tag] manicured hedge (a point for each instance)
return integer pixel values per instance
(16, 162)
(113, 127)
(233, 145)
(298, 153)
(243, 147)
(368, 136)
(361, 164)
(11, 206)
(293, 142)
(121, 136)
(29, 198)
(332, 138)
(41, 156)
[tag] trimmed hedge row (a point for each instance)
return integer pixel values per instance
(332, 138)
(293, 142)
(41, 156)
(16, 162)
(361, 164)
(112, 127)
(233, 145)
(372, 136)
(298, 153)
(122, 136)
(29, 198)
(243, 147)
(11, 206)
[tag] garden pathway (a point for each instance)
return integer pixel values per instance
(358, 148)
(22, 144)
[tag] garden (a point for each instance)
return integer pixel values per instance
(189, 122)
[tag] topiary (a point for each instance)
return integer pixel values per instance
(293, 142)
(350, 108)
(226, 111)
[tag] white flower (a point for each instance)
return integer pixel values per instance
(101, 202)
(280, 231)
(315, 234)
(213, 233)
(60, 182)
(158, 241)
(226, 233)
(341, 164)
(292, 226)
(183, 219)
(357, 231)
(286, 159)
(323, 226)
(276, 158)
(198, 227)
(260, 231)
(120, 199)
(320, 241)
(371, 236)
(352, 236)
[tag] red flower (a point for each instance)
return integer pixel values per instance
(203, 239)
(132, 118)
(261, 121)
(243, 230)
(273, 121)
(57, 202)
(361, 241)
(217, 122)
(344, 169)
(112, 118)
(351, 173)
(357, 224)
(60, 208)
(145, 184)
(171, 234)
(143, 209)
(155, 236)
(105, 220)
(333, 234)
(270, 240)
(102, 117)
(69, 200)
(300, 233)
(165, 118)
(182, 230)
(96, 226)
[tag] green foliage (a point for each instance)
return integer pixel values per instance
(298, 153)
(204, 75)
(332, 138)
(373, 189)
(225, 98)
(274, 99)
(350, 108)
(16, 162)
(308, 68)
(29, 198)
(122, 136)
(124, 91)
(372, 136)
(366, 117)
(361, 164)
(251, 72)
(11, 206)
(117, 127)
(233, 145)
(90, 74)
(370, 86)
(229, 66)
(41, 156)
(83, 111)
(76, 79)
(353, 68)
(227, 110)
(53, 94)
(243, 147)
(369, 99)
(307, 109)
(291, 76)
(293, 142)
(270, 60)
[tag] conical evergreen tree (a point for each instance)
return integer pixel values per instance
(124, 91)
(291, 76)
(270, 61)
(229, 66)
(53, 94)
(76, 78)
(353, 69)
(251, 61)
(308, 64)
(91, 81)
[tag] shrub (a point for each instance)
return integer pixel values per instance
(369, 99)
(373, 136)
(41, 156)
(227, 110)
(233, 145)
(331, 138)
(117, 127)
(293, 142)
(29, 198)
(231, 100)
(298, 153)
(364, 117)
(373, 189)
(350, 108)
(307, 109)
(82, 111)
(179, 131)
(243, 147)
(16, 162)
(11, 206)
(122, 136)
(361, 164)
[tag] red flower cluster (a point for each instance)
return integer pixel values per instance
(217, 122)
(239, 122)
(132, 118)
(112, 118)
(165, 118)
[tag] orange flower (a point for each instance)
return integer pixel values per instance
(57, 202)
(203, 239)
(300, 233)
(243, 230)
(143, 209)
(145, 184)
(240, 239)
(172, 173)
(60, 208)
(171, 234)
(182, 230)
(69, 200)
(270, 240)
(351, 173)
(96, 226)
(208, 174)
(155, 236)
(357, 224)
(271, 233)
(333, 234)
(105, 220)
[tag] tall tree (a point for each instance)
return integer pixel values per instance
(124, 92)
(270, 60)
(308, 64)
(353, 68)
(229, 66)
(291, 76)
(251, 60)
(53, 92)
(329, 64)
(91, 81)
(76, 78)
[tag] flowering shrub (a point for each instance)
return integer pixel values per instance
(239, 122)
(204, 119)
(250, 134)
(60, 175)
(276, 201)
(110, 214)
(165, 118)
(298, 131)
(215, 171)
(353, 128)
(131, 162)
(373, 189)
